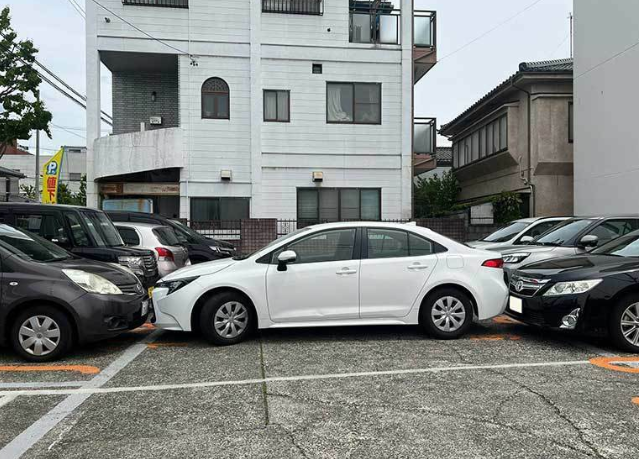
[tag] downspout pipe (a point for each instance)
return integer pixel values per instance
(529, 143)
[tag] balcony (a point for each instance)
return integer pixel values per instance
(308, 7)
(160, 3)
(374, 22)
(424, 42)
(424, 145)
(138, 152)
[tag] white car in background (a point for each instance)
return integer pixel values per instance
(362, 273)
(517, 232)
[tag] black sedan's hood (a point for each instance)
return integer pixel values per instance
(114, 273)
(580, 267)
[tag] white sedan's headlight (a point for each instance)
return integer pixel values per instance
(572, 288)
(516, 257)
(92, 283)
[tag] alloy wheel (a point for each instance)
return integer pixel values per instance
(231, 319)
(448, 314)
(630, 324)
(39, 335)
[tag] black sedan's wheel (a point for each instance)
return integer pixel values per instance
(624, 323)
(41, 334)
(447, 314)
(226, 319)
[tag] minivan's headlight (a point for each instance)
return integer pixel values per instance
(92, 283)
(572, 288)
(175, 285)
(516, 257)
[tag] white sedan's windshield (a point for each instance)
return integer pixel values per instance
(506, 233)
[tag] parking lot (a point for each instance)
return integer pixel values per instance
(504, 390)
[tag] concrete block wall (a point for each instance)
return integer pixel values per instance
(133, 104)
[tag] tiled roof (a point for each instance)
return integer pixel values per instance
(444, 154)
(11, 150)
(558, 66)
(4, 172)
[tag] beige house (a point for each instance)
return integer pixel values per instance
(519, 138)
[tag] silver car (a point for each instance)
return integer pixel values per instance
(517, 232)
(162, 240)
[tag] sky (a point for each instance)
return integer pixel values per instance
(511, 31)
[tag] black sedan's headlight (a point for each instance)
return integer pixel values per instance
(174, 285)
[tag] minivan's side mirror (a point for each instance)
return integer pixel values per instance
(284, 258)
(589, 241)
(526, 239)
(61, 241)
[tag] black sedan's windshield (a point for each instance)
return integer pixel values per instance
(625, 246)
(506, 233)
(562, 233)
(30, 246)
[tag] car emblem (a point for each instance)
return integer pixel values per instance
(519, 286)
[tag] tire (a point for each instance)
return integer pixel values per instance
(624, 310)
(434, 317)
(49, 335)
(227, 318)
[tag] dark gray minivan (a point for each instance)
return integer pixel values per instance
(51, 299)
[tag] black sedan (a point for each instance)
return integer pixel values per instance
(51, 299)
(596, 293)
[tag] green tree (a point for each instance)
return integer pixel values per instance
(436, 196)
(22, 111)
(66, 196)
(506, 207)
(28, 191)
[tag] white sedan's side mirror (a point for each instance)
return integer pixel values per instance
(284, 258)
(526, 239)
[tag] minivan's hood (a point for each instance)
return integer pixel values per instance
(201, 269)
(580, 267)
(111, 272)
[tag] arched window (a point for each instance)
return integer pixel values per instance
(215, 99)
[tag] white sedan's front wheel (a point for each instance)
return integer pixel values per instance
(227, 318)
(447, 314)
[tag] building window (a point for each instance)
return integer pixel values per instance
(317, 69)
(354, 103)
(205, 209)
(215, 99)
(312, 7)
(164, 3)
(487, 140)
(571, 123)
(75, 176)
(338, 204)
(277, 106)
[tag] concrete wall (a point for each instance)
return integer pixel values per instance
(606, 99)
(133, 104)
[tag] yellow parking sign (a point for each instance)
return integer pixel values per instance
(51, 178)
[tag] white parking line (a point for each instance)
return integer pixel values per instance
(41, 385)
(87, 391)
(7, 399)
(23, 442)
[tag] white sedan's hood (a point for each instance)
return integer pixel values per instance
(201, 269)
(528, 249)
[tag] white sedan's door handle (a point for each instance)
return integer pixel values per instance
(417, 267)
(345, 271)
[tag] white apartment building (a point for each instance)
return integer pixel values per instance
(606, 98)
(229, 109)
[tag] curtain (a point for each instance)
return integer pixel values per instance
(336, 104)
(270, 105)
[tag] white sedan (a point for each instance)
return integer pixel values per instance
(362, 273)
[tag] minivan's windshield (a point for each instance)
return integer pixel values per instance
(102, 229)
(506, 233)
(30, 246)
(562, 232)
(625, 246)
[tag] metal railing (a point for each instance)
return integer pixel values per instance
(424, 29)
(310, 7)
(374, 22)
(160, 3)
(424, 136)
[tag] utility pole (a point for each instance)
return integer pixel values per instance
(37, 163)
(570, 17)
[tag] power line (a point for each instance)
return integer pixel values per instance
(559, 45)
(68, 131)
(78, 9)
(142, 31)
(608, 60)
(491, 30)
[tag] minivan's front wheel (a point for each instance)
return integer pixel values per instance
(226, 318)
(447, 314)
(41, 334)
(624, 323)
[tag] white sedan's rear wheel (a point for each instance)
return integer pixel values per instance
(447, 313)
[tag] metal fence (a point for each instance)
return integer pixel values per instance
(161, 3)
(312, 7)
